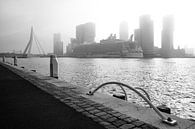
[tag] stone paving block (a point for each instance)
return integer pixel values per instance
(127, 126)
(106, 116)
(85, 113)
(118, 114)
(106, 109)
(57, 97)
(118, 123)
(86, 100)
(112, 111)
(81, 104)
(95, 111)
(138, 123)
(92, 102)
(75, 106)
(130, 119)
(75, 101)
(80, 110)
(105, 123)
(70, 104)
(97, 119)
(123, 116)
(91, 116)
(147, 126)
(112, 119)
(110, 127)
(97, 105)
(65, 100)
(82, 99)
(100, 114)
(100, 107)
(88, 108)
(137, 128)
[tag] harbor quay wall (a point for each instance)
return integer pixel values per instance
(110, 112)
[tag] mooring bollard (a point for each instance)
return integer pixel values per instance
(4, 59)
(15, 61)
(33, 70)
(164, 108)
(53, 66)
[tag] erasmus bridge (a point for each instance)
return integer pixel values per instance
(28, 50)
(33, 41)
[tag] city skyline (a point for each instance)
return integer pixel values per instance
(63, 16)
(167, 36)
(123, 31)
(57, 44)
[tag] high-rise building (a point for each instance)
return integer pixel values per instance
(167, 36)
(57, 44)
(147, 35)
(85, 33)
(137, 37)
(123, 31)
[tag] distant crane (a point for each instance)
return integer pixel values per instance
(27, 51)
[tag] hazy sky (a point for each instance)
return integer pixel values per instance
(53, 16)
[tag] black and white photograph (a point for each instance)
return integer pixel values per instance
(97, 64)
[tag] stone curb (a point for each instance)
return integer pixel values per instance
(105, 116)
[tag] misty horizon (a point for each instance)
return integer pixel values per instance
(49, 17)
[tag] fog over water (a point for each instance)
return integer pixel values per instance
(53, 16)
(168, 81)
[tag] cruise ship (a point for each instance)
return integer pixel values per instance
(109, 48)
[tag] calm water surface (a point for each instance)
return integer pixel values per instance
(168, 81)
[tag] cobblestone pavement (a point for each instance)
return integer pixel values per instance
(104, 116)
(24, 106)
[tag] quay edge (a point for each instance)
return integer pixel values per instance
(108, 111)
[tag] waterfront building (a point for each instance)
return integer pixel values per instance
(110, 47)
(73, 43)
(57, 44)
(111, 39)
(167, 36)
(189, 51)
(146, 35)
(115, 49)
(123, 31)
(137, 37)
(85, 33)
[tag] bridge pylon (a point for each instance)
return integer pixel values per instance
(27, 50)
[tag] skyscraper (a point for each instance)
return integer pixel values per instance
(85, 33)
(137, 37)
(167, 36)
(147, 35)
(58, 44)
(123, 31)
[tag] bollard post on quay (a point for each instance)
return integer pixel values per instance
(15, 61)
(4, 60)
(54, 66)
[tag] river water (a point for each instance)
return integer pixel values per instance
(167, 81)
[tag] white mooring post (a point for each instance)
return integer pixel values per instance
(4, 59)
(15, 61)
(53, 66)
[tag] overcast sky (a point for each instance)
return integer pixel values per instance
(61, 16)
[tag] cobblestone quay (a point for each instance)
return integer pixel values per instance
(33, 102)
(24, 106)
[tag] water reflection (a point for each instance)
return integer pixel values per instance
(168, 81)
